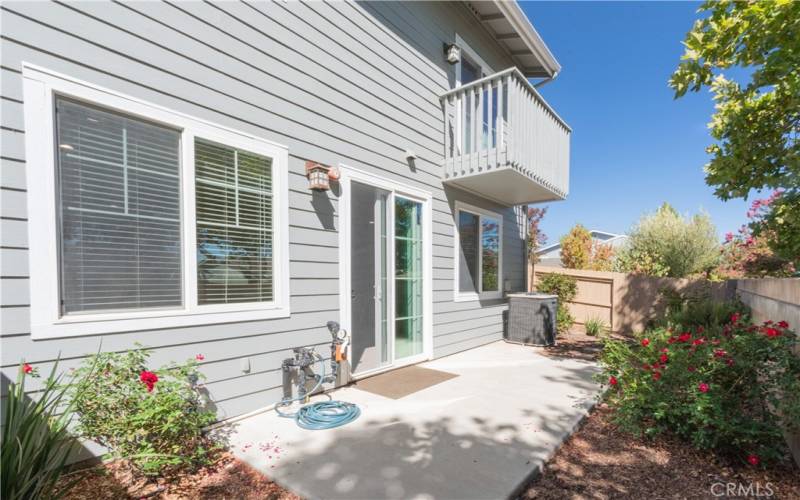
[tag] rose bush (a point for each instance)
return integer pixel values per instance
(730, 386)
(152, 418)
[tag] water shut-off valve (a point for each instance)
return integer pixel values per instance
(305, 357)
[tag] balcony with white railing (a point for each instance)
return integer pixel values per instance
(504, 142)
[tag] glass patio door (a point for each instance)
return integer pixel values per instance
(386, 278)
(408, 278)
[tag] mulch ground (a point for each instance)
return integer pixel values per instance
(599, 461)
(226, 478)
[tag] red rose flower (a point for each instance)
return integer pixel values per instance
(645, 342)
(702, 387)
(199, 357)
(729, 362)
(783, 324)
(720, 353)
(772, 332)
(656, 375)
(664, 350)
(698, 341)
(671, 340)
(753, 459)
(612, 380)
(735, 317)
(684, 337)
(149, 379)
(645, 367)
(664, 358)
(27, 368)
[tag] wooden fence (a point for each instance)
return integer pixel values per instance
(626, 302)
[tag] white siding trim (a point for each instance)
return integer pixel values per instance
(458, 295)
(40, 87)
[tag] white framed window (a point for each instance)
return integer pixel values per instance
(478, 253)
(143, 218)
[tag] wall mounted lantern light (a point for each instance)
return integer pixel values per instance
(452, 52)
(319, 176)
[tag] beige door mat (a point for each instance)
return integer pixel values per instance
(399, 383)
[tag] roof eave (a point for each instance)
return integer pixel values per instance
(523, 27)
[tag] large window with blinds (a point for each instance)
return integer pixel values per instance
(119, 207)
(234, 224)
(146, 218)
(479, 249)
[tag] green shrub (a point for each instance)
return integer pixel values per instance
(564, 320)
(713, 385)
(36, 444)
(152, 418)
(565, 287)
(595, 327)
(667, 244)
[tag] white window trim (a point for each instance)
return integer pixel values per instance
(458, 295)
(473, 56)
(40, 87)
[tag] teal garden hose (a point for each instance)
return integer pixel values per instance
(323, 414)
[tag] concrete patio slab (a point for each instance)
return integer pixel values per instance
(476, 436)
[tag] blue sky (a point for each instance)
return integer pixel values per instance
(633, 145)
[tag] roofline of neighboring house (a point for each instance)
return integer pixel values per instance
(523, 27)
(593, 231)
(597, 231)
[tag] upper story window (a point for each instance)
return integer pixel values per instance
(146, 218)
(479, 250)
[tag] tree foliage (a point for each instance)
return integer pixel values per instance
(756, 124)
(576, 248)
(536, 237)
(665, 243)
(602, 258)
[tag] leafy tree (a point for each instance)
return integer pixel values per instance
(536, 237)
(576, 248)
(667, 244)
(757, 123)
(602, 258)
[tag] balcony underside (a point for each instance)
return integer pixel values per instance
(505, 185)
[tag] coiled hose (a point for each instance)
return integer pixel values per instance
(323, 414)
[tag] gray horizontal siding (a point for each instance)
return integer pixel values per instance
(342, 82)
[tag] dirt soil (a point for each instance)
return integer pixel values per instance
(601, 462)
(575, 345)
(226, 478)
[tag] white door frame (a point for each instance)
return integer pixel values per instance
(349, 174)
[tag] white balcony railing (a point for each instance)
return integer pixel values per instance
(501, 125)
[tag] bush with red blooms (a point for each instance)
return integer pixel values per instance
(154, 419)
(731, 387)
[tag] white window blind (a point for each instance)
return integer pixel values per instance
(233, 190)
(119, 206)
